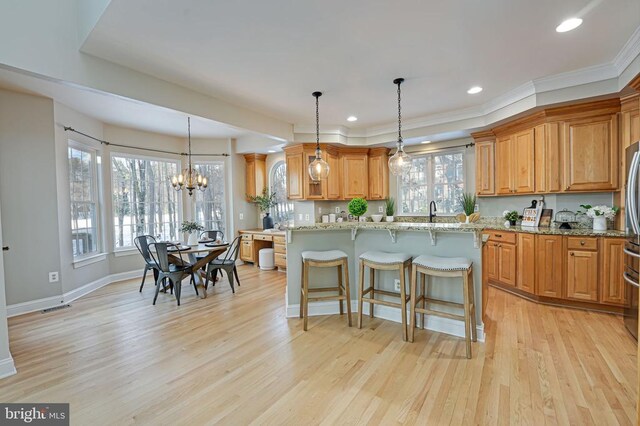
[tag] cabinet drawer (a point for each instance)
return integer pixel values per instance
(503, 237)
(581, 243)
(246, 237)
(281, 259)
(279, 248)
(262, 237)
(278, 239)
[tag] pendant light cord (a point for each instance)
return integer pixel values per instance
(399, 115)
(189, 131)
(317, 95)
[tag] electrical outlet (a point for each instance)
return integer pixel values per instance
(476, 208)
(241, 216)
(337, 209)
(53, 277)
(396, 285)
(319, 210)
(380, 209)
(306, 217)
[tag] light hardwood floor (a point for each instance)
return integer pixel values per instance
(236, 359)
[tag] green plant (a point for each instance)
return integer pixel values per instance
(190, 227)
(511, 216)
(390, 206)
(357, 206)
(264, 201)
(468, 202)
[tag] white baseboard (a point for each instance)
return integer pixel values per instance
(7, 368)
(433, 323)
(68, 297)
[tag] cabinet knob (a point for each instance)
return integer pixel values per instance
(499, 235)
(571, 253)
(581, 243)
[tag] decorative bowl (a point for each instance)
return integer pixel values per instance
(376, 217)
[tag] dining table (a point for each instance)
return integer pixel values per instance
(197, 263)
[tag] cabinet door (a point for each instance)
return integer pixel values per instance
(355, 169)
(491, 261)
(485, 168)
(548, 158)
(295, 175)
(504, 158)
(333, 181)
(313, 190)
(591, 154)
(378, 177)
(526, 270)
(549, 262)
(524, 167)
(246, 251)
(507, 264)
(612, 267)
(582, 275)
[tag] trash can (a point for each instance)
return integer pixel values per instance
(266, 259)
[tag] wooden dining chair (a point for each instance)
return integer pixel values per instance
(174, 273)
(227, 264)
(142, 244)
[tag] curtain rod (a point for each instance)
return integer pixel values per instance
(103, 142)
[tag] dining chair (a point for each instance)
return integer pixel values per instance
(172, 272)
(227, 264)
(142, 244)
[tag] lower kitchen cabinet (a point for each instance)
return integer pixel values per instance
(611, 269)
(582, 275)
(526, 267)
(246, 251)
(507, 264)
(549, 262)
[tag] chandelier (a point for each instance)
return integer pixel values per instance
(318, 169)
(189, 178)
(400, 162)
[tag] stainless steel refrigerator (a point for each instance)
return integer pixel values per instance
(632, 245)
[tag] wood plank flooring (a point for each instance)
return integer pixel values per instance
(236, 359)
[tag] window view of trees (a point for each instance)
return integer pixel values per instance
(209, 205)
(283, 211)
(143, 200)
(438, 177)
(84, 201)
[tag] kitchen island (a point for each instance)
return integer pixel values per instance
(354, 238)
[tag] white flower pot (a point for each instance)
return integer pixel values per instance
(599, 223)
(193, 239)
(389, 219)
(466, 220)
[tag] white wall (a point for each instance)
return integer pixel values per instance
(6, 361)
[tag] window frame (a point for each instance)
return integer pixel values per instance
(120, 251)
(209, 182)
(276, 165)
(96, 196)
(430, 178)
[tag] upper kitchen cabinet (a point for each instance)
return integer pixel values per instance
(548, 165)
(295, 170)
(485, 165)
(378, 173)
(355, 174)
(591, 153)
(334, 182)
(504, 169)
(523, 162)
(256, 175)
(313, 189)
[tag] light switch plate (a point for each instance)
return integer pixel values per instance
(241, 216)
(337, 209)
(380, 209)
(300, 216)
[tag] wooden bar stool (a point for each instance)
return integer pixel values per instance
(444, 267)
(379, 260)
(325, 259)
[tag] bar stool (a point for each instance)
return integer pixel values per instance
(379, 260)
(325, 259)
(444, 267)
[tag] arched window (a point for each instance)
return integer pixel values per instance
(283, 211)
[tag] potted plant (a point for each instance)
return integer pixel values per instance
(599, 214)
(468, 203)
(191, 228)
(511, 216)
(389, 208)
(357, 207)
(264, 202)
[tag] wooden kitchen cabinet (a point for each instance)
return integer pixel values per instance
(501, 258)
(523, 162)
(548, 158)
(549, 265)
(355, 175)
(591, 153)
(612, 267)
(503, 171)
(491, 261)
(295, 177)
(256, 175)
(507, 264)
(313, 190)
(334, 181)
(246, 251)
(485, 167)
(378, 173)
(526, 267)
(582, 275)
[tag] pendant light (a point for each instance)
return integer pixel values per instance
(189, 178)
(318, 169)
(400, 162)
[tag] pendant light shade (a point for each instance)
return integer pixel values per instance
(318, 168)
(400, 162)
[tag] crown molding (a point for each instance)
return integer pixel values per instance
(629, 52)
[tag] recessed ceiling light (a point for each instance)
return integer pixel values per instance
(568, 25)
(352, 118)
(474, 90)
(271, 151)
(425, 142)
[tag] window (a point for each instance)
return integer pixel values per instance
(283, 211)
(144, 203)
(209, 206)
(83, 188)
(435, 177)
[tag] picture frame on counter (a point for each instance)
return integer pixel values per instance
(531, 216)
(545, 218)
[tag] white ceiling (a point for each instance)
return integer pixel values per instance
(117, 110)
(270, 55)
